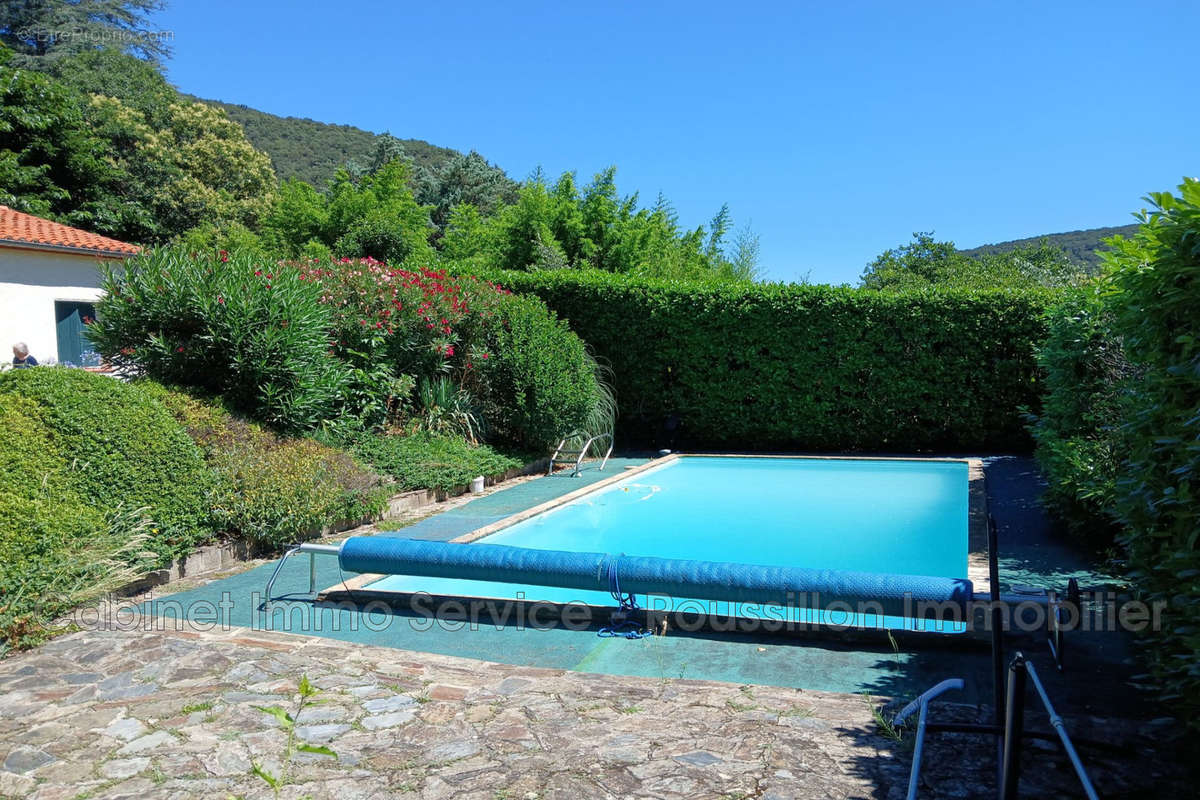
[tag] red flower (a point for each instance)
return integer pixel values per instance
(220, 300)
(450, 350)
(179, 349)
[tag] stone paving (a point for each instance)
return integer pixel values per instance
(175, 715)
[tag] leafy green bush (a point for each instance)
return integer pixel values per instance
(127, 450)
(426, 461)
(230, 324)
(818, 367)
(40, 515)
(1155, 281)
(540, 383)
(1078, 430)
(271, 490)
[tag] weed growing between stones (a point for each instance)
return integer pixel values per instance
(287, 721)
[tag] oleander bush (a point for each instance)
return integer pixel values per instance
(814, 367)
(344, 344)
(427, 461)
(542, 383)
(125, 449)
(272, 490)
(509, 359)
(234, 324)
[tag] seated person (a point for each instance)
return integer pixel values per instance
(21, 357)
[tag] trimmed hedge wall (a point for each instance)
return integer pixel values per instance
(747, 366)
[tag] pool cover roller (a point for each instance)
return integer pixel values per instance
(897, 595)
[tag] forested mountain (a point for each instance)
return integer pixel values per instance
(1080, 246)
(312, 151)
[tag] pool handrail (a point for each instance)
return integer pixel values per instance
(922, 703)
(581, 454)
(313, 551)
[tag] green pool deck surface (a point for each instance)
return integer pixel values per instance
(1032, 553)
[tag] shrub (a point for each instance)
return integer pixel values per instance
(271, 490)
(1078, 430)
(229, 324)
(416, 322)
(56, 549)
(127, 450)
(1155, 286)
(816, 367)
(427, 461)
(541, 383)
(531, 376)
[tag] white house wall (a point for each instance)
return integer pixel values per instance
(30, 282)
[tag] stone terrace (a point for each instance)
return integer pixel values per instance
(173, 715)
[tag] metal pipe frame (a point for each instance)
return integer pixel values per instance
(583, 451)
(993, 545)
(313, 551)
(1060, 728)
(922, 703)
(1014, 724)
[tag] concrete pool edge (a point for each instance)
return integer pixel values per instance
(977, 514)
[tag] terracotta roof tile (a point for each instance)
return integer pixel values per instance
(17, 228)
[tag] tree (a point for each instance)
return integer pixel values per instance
(213, 173)
(136, 83)
(46, 30)
(54, 163)
(744, 262)
(463, 179)
(298, 215)
(926, 262)
(922, 261)
(374, 215)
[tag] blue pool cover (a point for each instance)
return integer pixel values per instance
(895, 595)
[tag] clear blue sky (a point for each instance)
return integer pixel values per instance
(836, 129)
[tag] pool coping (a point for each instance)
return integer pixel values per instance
(977, 514)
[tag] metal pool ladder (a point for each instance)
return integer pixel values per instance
(562, 455)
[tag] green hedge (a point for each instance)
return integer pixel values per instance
(426, 461)
(126, 449)
(812, 367)
(1119, 433)
(1154, 293)
(1078, 431)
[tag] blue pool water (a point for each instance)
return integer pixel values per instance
(889, 516)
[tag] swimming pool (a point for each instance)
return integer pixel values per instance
(894, 516)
